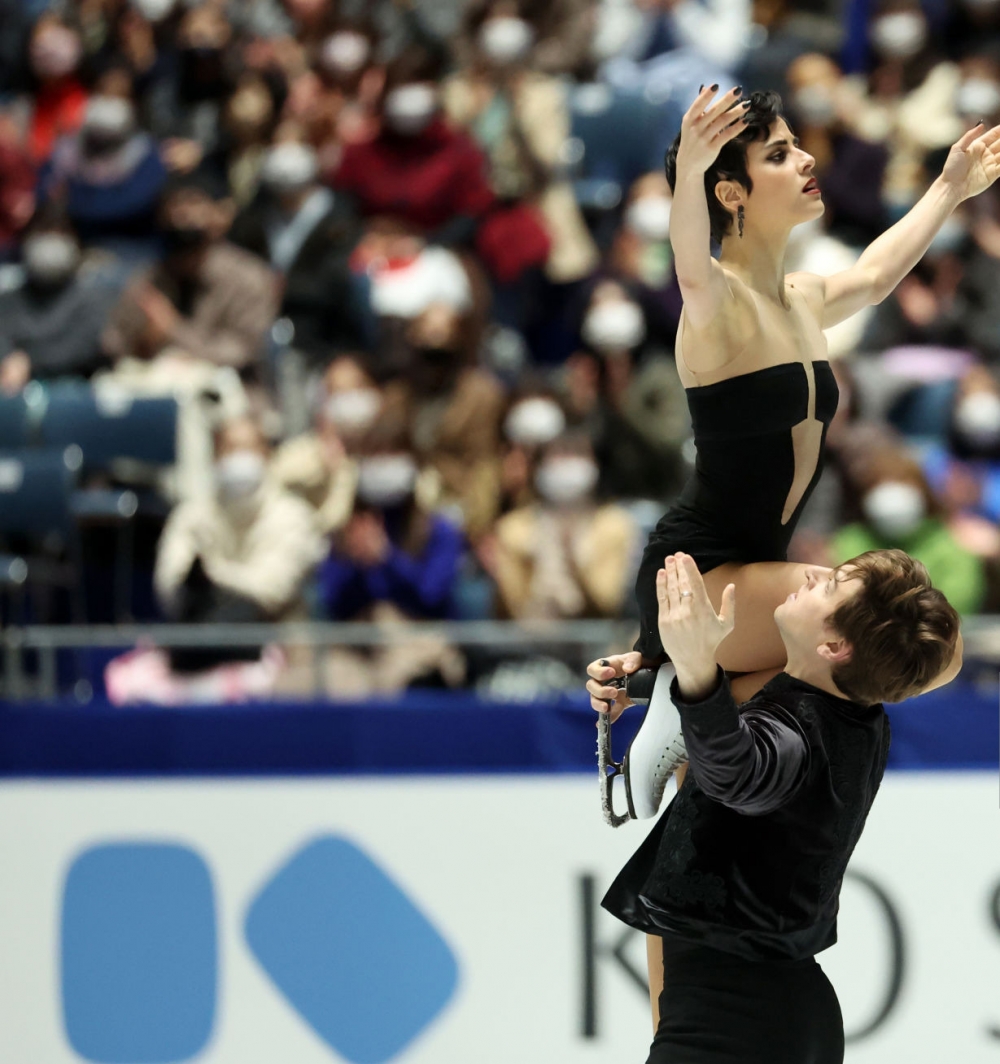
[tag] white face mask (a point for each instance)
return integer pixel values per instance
(566, 479)
(814, 104)
(977, 420)
(900, 35)
(55, 52)
(896, 509)
(345, 52)
(50, 258)
(109, 117)
(977, 97)
(353, 411)
(614, 326)
(289, 167)
(386, 479)
(410, 109)
(649, 217)
(505, 39)
(238, 475)
(532, 422)
(950, 237)
(154, 10)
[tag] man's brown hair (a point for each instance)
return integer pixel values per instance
(902, 631)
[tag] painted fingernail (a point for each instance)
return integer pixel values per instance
(738, 90)
(746, 103)
(604, 662)
(715, 88)
(701, 88)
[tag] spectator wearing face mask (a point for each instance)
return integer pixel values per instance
(418, 169)
(562, 32)
(54, 53)
(898, 509)
(453, 410)
(242, 555)
(183, 110)
(248, 122)
(520, 119)
(109, 173)
(849, 169)
(635, 412)
(307, 233)
(50, 326)
(564, 555)
(906, 101)
(391, 550)
(964, 468)
(534, 418)
(642, 260)
(321, 465)
(206, 298)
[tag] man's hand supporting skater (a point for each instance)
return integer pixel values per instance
(689, 627)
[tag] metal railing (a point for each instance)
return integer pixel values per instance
(589, 638)
(43, 642)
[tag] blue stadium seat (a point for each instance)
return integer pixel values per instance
(107, 430)
(13, 421)
(36, 517)
(616, 136)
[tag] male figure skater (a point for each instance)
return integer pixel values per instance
(738, 882)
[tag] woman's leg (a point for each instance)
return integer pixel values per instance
(746, 686)
(654, 961)
(755, 643)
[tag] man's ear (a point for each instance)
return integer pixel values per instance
(835, 651)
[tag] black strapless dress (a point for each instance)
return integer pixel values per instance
(731, 508)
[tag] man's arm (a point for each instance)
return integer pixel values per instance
(752, 761)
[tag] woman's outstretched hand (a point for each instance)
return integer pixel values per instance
(973, 163)
(704, 129)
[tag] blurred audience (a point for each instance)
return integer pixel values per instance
(245, 554)
(109, 173)
(426, 248)
(564, 555)
(51, 325)
(206, 298)
(898, 509)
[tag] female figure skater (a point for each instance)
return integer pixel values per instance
(752, 355)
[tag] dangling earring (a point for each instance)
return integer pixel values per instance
(739, 219)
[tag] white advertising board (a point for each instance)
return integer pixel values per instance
(434, 921)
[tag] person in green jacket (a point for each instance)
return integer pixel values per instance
(899, 509)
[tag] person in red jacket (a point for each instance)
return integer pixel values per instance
(422, 171)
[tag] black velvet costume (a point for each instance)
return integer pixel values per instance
(743, 870)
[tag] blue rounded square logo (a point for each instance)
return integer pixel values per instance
(350, 951)
(138, 954)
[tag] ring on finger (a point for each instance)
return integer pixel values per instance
(687, 594)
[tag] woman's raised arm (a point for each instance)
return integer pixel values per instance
(973, 164)
(704, 131)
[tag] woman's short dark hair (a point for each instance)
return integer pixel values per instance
(731, 164)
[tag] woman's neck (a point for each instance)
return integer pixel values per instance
(759, 261)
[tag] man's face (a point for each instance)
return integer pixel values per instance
(803, 618)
